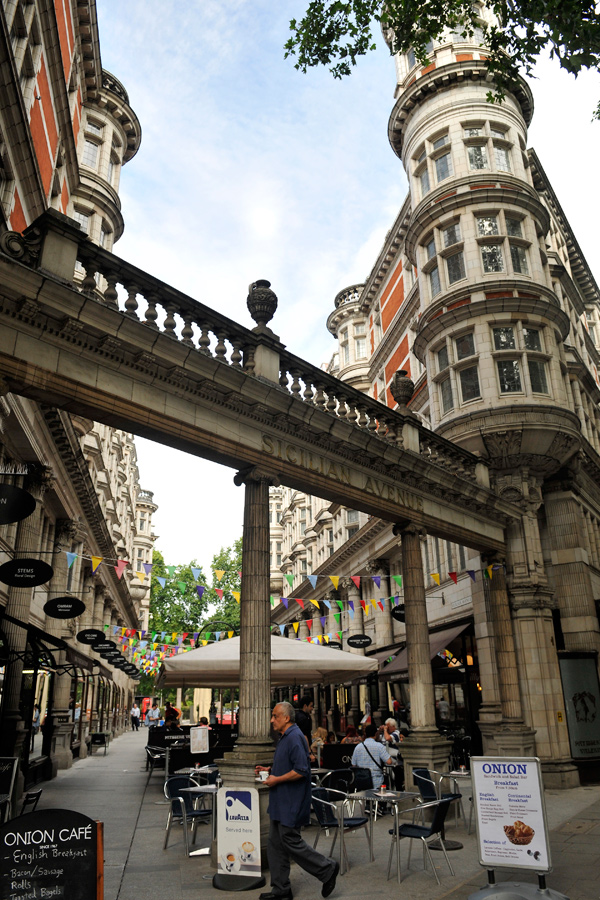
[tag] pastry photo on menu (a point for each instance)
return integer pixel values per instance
(519, 833)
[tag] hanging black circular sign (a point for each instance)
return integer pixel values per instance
(110, 654)
(101, 646)
(15, 504)
(335, 644)
(119, 663)
(90, 636)
(25, 573)
(359, 640)
(64, 607)
(398, 613)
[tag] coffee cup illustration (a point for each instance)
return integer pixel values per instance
(263, 775)
(230, 862)
(247, 852)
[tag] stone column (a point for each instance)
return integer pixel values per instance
(425, 746)
(14, 729)
(356, 626)
(383, 626)
(510, 736)
(61, 756)
(254, 743)
(532, 602)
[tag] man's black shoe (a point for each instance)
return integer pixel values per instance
(269, 895)
(329, 885)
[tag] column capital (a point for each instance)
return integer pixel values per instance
(409, 528)
(257, 476)
(65, 531)
(378, 566)
(39, 479)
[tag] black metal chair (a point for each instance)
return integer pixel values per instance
(329, 808)
(182, 809)
(155, 759)
(30, 801)
(422, 833)
(338, 780)
(430, 790)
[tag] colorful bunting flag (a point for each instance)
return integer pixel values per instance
(453, 576)
(356, 580)
(96, 560)
(237, 595)
(313, 580)
(219, 573)
(200, 589)
(398, 580)
(377, 579)
(335, 580)
(120, 567)
(195, 573)
(71, 557)
(435, 576)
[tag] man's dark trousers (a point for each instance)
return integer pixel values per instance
(287, 844)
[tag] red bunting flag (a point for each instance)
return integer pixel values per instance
(219, 592)
(453, 576)
(356, 580)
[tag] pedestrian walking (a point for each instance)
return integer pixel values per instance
(289, 810)
(135, 717)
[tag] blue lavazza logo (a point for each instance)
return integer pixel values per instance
(238, 806)
(505, 768)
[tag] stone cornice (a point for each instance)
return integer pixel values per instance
(581, 271)
(438, 318)
(474, 190)
(394, 242)
(441, 79)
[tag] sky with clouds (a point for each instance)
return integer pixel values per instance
(249, 169)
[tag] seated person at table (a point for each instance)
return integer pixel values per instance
(331, 738)
(171, 712)
(372, 755)
(319, 738)
(352, 736)
(171, 726)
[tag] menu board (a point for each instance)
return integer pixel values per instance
(510, 813)
(199, 739)
(49, 854)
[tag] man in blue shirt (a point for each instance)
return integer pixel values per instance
(289, 809)
(372, 755)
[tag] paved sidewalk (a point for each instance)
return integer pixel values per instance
(112, 788)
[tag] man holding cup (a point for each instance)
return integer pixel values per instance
(289, 809)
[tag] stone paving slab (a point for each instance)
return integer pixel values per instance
(114, 790)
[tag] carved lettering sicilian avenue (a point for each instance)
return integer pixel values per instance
(392, 492)
(306, 459)
(315, 463)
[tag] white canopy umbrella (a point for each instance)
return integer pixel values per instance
(292, 662)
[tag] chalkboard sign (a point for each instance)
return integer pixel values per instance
(8, 770)
(52, 853)
(15, 504)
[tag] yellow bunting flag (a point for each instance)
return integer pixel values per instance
(435, 576)
(219, 573)
(295, 624)
(174, 636)
(96, 560)
(374, 602)
(489, 571)
(316, 603)
(335, 580)
(230, 634)
(236, 596)
(141, 575)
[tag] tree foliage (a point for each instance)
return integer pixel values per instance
(229, 560)
(335, 33)
(176, 606)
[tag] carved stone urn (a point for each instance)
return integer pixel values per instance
(402, 387)
(261, 302)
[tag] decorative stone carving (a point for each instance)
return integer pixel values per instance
(402, 388)
(261, 301)
(25, 248)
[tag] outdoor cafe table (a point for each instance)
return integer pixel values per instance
(196, 793)
(400, 800)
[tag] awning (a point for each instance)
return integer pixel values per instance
(437, 642)
(76, 658)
